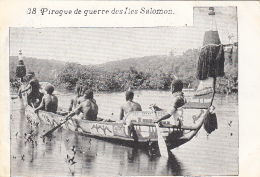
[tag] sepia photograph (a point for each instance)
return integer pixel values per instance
(126, 101)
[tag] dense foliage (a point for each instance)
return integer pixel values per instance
(45, 70)
(150, 72)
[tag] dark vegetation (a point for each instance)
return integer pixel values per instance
(150, 72)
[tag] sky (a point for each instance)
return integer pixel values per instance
(99, 45)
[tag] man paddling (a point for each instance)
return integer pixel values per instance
(178, 100)
(130, 105)
(74, 100)
(89, 108)
(34, 96)
(49, 101)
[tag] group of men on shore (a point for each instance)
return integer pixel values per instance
(85, 103)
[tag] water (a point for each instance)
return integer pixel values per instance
(216, 154)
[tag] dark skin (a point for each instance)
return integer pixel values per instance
(175, 107)
(74, 100)
(34, 97)
(129, 107)
(82, 99)
(28, 87)
(167, 116)
(49, 103)
(73, 103)
(89, 109)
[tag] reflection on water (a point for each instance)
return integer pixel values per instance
(70, 154)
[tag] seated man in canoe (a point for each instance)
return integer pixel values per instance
(49, 101)
(125, 109)
(178, 100)
(130, 105)
(82, 98)
(34, 96)
(74, 100)
(89, 108)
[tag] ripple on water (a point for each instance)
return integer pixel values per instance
(216, 154)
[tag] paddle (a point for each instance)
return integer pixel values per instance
(161, 143)
(55, 128)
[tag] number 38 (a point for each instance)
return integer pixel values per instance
(31, 11)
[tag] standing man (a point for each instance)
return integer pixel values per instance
(130, 105)
(178, 99)
(89, 108)
(34, 96)
(49, 101)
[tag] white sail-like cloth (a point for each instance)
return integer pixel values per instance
(205, 87)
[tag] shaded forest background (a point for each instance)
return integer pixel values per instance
(149, 72)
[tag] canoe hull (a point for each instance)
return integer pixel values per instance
(117, 131)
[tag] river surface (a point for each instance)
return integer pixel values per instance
(214, 154)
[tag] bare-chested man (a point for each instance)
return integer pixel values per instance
(178, 100)
(130, 105)
(89, 108)
(82, 98)
(34, 95)
(74, 100)
(49, 101)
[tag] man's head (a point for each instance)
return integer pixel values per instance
(129, 96)
(49, 89)
(30, 74)
(88, 94)
(177, 86)
(84, 89)
(78, 90)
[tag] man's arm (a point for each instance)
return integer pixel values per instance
(121, 113)
(71, 104)
(41, 106)
(163, 118)
(140, 107)
(75, 110)
(28, 87)
(56, 103)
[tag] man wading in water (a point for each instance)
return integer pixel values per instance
(178, 100)
(89, 108)
(34, 96)
(49, 101)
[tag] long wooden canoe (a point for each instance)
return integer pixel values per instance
(192, 116)
(145, 131)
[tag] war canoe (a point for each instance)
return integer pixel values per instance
(142, 121)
